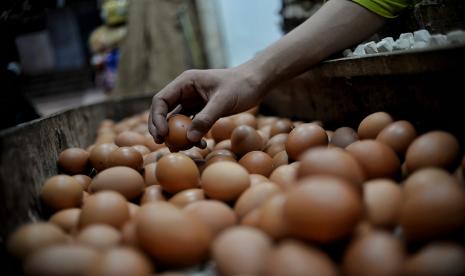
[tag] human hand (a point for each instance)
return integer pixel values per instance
(212, 93)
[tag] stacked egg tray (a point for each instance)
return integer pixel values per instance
(267, 196)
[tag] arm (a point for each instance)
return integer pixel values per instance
(221, 92)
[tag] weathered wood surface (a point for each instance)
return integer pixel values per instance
(425, 87)
(29, 153)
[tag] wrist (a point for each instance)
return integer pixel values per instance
(257, 74)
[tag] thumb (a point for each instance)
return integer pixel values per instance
(204, 120)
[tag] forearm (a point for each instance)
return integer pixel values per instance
(337, 25)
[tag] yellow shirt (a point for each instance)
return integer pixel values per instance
(386, 8)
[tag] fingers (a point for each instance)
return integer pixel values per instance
(204, 120)
(158, 126)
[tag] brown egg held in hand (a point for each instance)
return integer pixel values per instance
(123, 180)
(373, 124)
(257, 162)
(32, 237)
(106, 207)
(176, 172)
(435, 148)
(322, 209)
(74, 161)
(171, 236)
(225, 181)
(177, 133)
(304, 137)
(292, 257)
(61, 192)
(241, 250)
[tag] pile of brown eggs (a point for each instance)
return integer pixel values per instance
(267, 196)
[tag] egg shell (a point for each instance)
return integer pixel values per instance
(151, 194)
(32, 237)
(322, 209)
(344, 136)
(377, 253)
(284, 176)
(186, 197)
(245, 139)
(214, 214)
(74, 161)
(150, 177)
(426, 177)
(66, 219)
(61, 192)
(58, 260)
(99, 236)
(251, 219)
(129, 138)
(176, 172)
(382, 199)
(257, 162)
(246, 119)
(274, 149)
(122, 261)
(271, 219)
(437, 258)
(176, 139)
(129, 234)
(84, 180)
(257, 179)
(153, 157)
(280, 159)
(150, 143)
(433, 149)
(222, 129)
(373, 124)
(143, 150)
(225, 180)
(123, 180)
(170, 236)
(225, 144)
(304, 137)
(376, 159)
(107, 207)
(220, 152)
(280, 138)
(254, 197)
(281, 126)
(99, 155)
(241, 250)
(126, 156)
(292, 257)
(398, 135)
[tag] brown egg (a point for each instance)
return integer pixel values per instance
(257, 162)
(214, 214)
(133, 209)
(264, 135)
(126, 156)
(99, 156)
(171, 236)
(222, 129)
(331, 161)
(322, 209)
(225, 180)
(265, 120)
(254, 197)
(293, 257)
(274, 149)
(437, 258)
(241, 250)
(398, 135)
(216, 159)
(66, 219)
(343, 137)
(143, 150)
(363, 228)
(271, 220)
(281, 126)
(155, 156)
(251, 218)
(177, 133)
(284, 176)
(426, 177)
(223, 145)
(84, 180)
(280, 159)
(61, 260)
(129, 234)
(150, 177)
(124, 180)
(245, 119)
(435, 148)
(74, 161)
(61, 192)
(304, 137)
(176, 172)
(257, 179)
(330, 135)
(376, 159)
(383, 200)
(434, 211)
(220, 152)
(280, 138)
(32, 237)
(107, 207)
(129, 138)
(186, 197)
(372, 125)
(122, 261)
(245, 139)
(210, 145)
(193, 154)
(99, 236)
(151, 194)
(149, 142)
(377, 253)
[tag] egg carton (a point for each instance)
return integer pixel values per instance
(421, 39)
